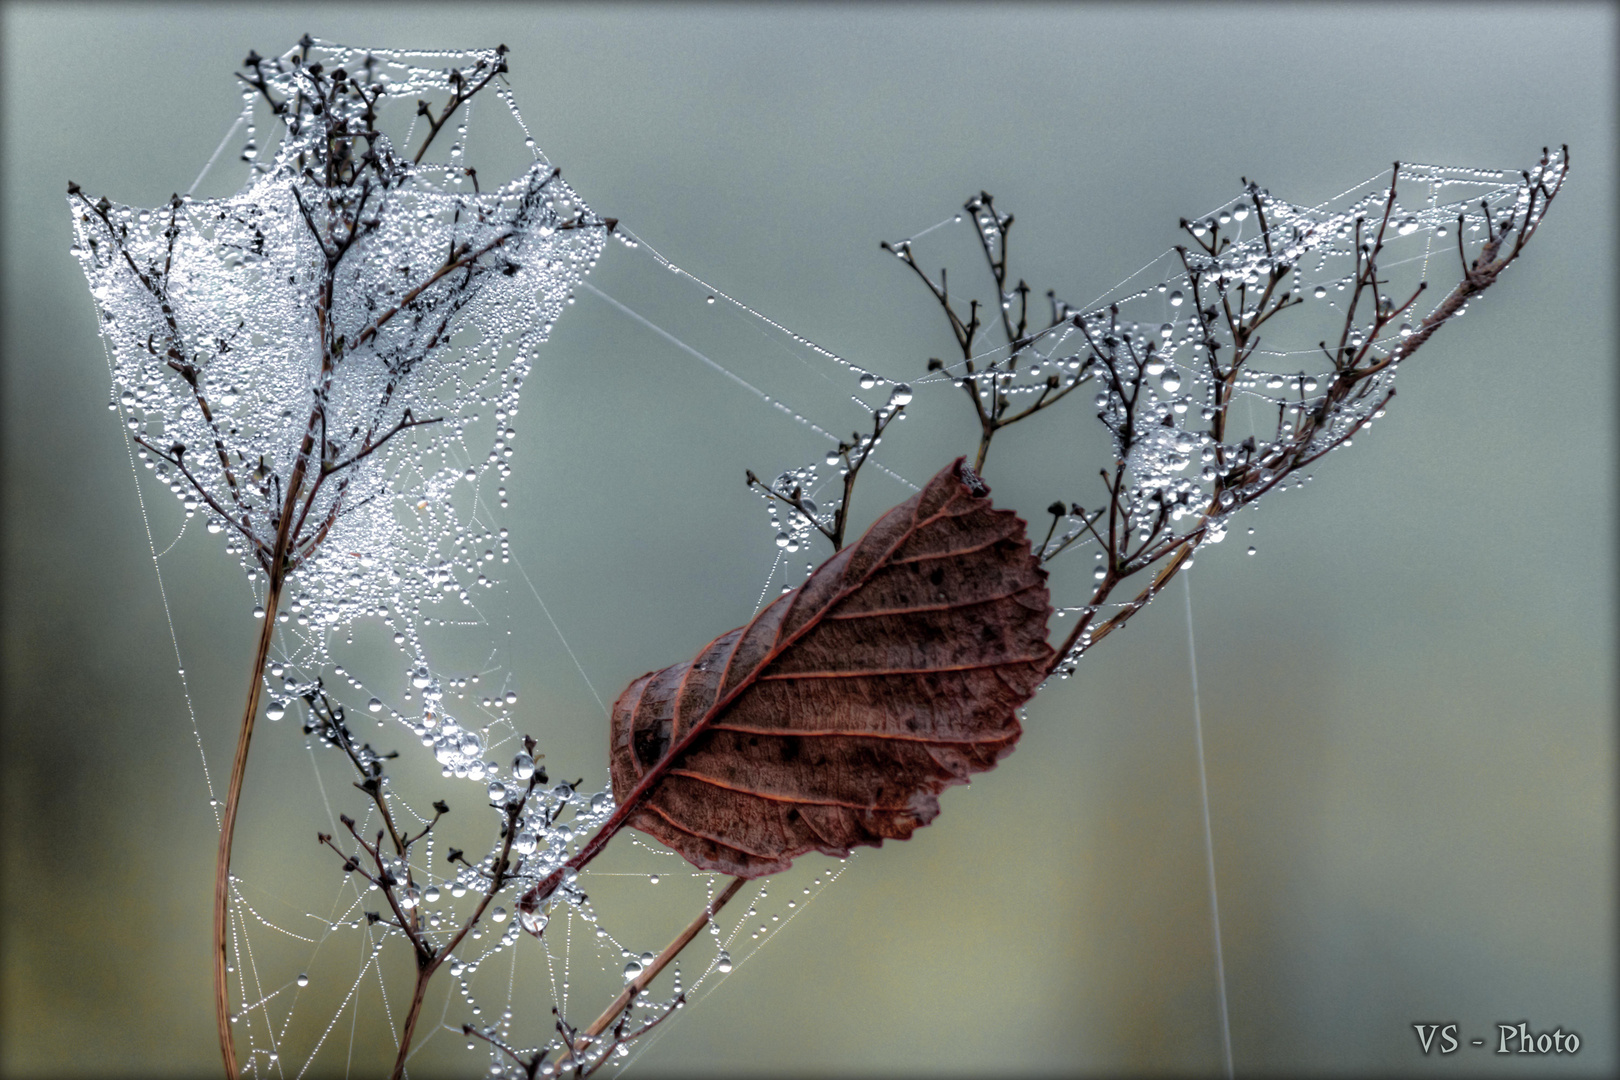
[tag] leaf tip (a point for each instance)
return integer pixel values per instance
(964, 472)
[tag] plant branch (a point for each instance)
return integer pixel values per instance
(178, 461)
(651, 972)
(450, 265)
(227, 830)
(457, 98)
(855, 454)
(429, 961)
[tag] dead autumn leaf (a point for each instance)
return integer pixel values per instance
(839, 713)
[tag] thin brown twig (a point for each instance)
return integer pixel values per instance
(227, 829)
(651, 972)
(430, 959)
(457, 99)
(1259, 473)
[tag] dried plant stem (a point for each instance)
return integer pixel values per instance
(227, 829)
(642, 981)
(427, 964)
(276, 565)
(418, 995)
(428, 961)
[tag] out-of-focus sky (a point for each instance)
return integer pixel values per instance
(1407, 693)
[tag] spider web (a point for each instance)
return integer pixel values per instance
(415, 569)
(309, 978)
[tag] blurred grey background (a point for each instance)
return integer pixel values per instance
(1407, 694)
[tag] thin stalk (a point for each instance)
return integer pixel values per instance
(277, 569)
(425, 970)
(642, 981)
(429, 962)
(227, 829)
(418, 995)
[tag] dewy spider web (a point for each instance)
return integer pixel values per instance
(444, 551)
(212, 271)
(219, 291)
(1315, 245)
(1307, 248)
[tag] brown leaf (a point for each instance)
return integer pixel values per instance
(837, 716)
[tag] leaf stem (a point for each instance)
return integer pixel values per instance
(642, 981)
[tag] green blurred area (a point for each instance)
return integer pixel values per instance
(1407, 695)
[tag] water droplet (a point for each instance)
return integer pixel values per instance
(258, 611)
(710, 300)
(1176, 298)
(375, 705)
(653, 879)
(1251, 549)
(276, 710)
(723, 963)
(631, 970)
(303, 980)
(496, 791)
(1319, 292)
(901, 396)
(498, 914)
(1408, 226)
(523, 766)
(867, 380)
(783, 539)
